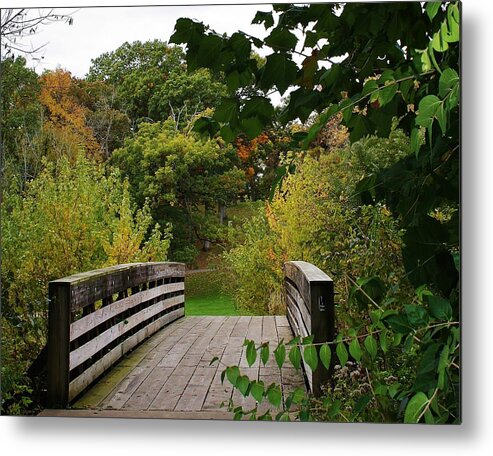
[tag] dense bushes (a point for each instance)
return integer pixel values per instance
(72, 218)
(315, 216)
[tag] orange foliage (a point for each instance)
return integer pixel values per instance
(245, 148)
(66, 118)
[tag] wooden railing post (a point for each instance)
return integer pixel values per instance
(310, 310)
(58, 344)
(322, 312)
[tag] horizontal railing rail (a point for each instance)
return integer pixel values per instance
(309, 296)
(96, 317)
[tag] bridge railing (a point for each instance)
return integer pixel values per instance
(96, 317)
(310, 309)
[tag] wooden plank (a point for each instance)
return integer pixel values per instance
(140, 414)
(83, 353)
(294, 308)
(89, 287)
(81, 382)
(151, 353)
(148, 389)
(170, 393)
(295, 299)
(103, 314)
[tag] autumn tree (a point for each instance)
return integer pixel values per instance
(65, 117)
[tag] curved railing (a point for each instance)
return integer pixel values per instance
(310, 309)
(96, 317)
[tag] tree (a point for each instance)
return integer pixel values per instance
(65, 117)
(21, 118)
(183, 95)
(136, 70)
(407, 73)
(183, 177)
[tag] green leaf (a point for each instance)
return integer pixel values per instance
(295, 356)
(440, 308)
(448, 86)
(281, 39)
(394, 389)
(251, 353)
(259, 107)
(355, 350)
(264, 354)
(209, 51)
(384, 341)
(387, 93)
(274, 395)
(265, 18)
(430, 108)
(342, 353)
(443, 360)
(370, 86)
(363, 401)
(257, 390)
(453, 23)
(298, 395)
(280, 71)
(371, 346)
(227, 110)
(429, 417)
(242, 383)
(432, 9)
(252, 127)
(308, 340)
(206, 125)
(417, 316)
(325, 355)
(186, 31)
(280, 354)
(426, 373)
(439, 41)
(241, 46)
(426, 63)
(310, 356)
(227, 134)
(399, 324)
(213, 360)
(232, 373)
(415, 407)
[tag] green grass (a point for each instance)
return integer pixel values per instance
(210, 305)
(206, 294)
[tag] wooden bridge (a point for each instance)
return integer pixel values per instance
(119, 343)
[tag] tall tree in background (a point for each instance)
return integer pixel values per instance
(65, 117)
(184, 178)
(136, 70)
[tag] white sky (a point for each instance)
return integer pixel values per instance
(98, 30)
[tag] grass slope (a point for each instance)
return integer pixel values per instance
(205, 294)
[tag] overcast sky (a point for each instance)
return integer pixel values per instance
(102, 29)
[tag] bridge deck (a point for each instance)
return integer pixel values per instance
(169, 374)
